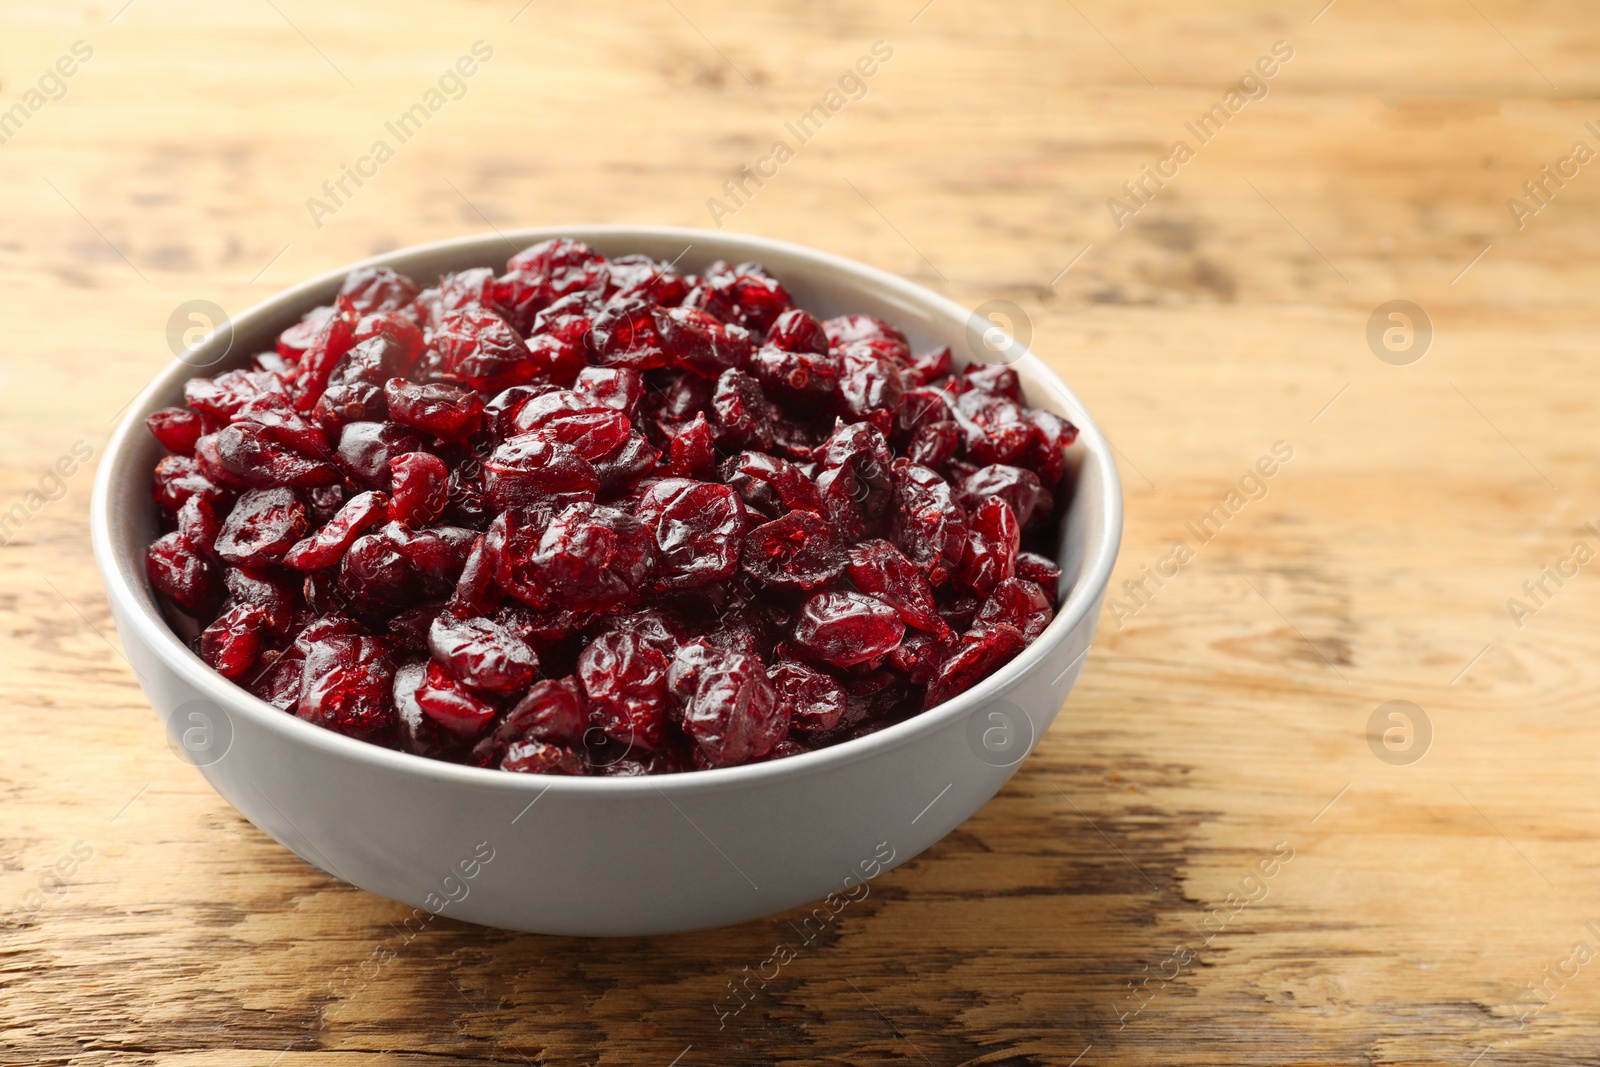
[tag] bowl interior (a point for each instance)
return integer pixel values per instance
(125, 518)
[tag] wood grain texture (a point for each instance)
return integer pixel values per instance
(1220, 725)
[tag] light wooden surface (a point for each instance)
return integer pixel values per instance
(1223, 722)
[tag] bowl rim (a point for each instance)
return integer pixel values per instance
(165, 645)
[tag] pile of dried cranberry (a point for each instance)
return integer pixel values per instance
(594, 517)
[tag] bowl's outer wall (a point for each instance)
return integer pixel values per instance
(646, 858)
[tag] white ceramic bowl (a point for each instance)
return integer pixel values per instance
(619, 856)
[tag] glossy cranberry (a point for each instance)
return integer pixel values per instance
(1040, 570)
(700, 343)
(451, 704)
(268, 591)
(990, 553)
(870, 387)
(730, 710)
(624, 678)
(981, 651)
(624, 334)
(814, 701)
(199, 525)
(531, 469)
(621, 468)
(181, 573)
(541, 757)
(177, 478)
(1017, 603)
(1016, 486)
(421, 490)
(418, 732)
(263, 525)
(864, 329)
(365, 449)
(799, 551)
(881, 570)
(619, 387)
(698, 528)
(482, 653)
(176, 428)
(770, 486)
(348, 687)
(480, 349)
(233, 641)
(293, 342)
(327, 545)
(741, 413)
(928, 366)
(745, 295)
(927, 523)
(591, 427)
(844, 629)
(552, 711)
(640, 277)
(450, 412)
(692, 451)
(798, 331)
(591, 556)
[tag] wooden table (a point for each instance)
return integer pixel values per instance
(1130, 897)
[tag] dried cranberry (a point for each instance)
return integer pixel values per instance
(233, 641)
(446, 411)
(421, 488)
(798, 551)
(1020, 604)
(624, 334)
(451, 705)
(878, 568)
(692, 451)
(618, 387)
(814, 700)
(928, 525)
(181, 573)
(698, 529)
(348, 687)
(482, 653)
(1016, 486)
(699, 342)
(982, 651)
(327, 545)
(741, 412)
(624, 677)
(480, 349)
(531, 469)
(541, 757)
(365, 449)
(844, 629)
(798, 331)
(176, 428)
(1038, 569)
(769, 485)
(990, 553)
(263, 525)
(592, 556)
(551, 711)
(730, 710)
(864, 329)
(592, 427)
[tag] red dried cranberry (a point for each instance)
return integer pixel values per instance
(618, 387)
(377, 289)
(844, 629)
(482, 653)
(990, 554)
(348, 687)
(451, 705)
(263, 525)
(541, 757)
(480, 349)
(864, 329)
(592, 556)
(741, 412)
(625, 678)
(692, 451)
(365, 449)
(179, 572)
(1016, 486)
(592, 427)
(551, 711)
(624, 334)
(327, 545)
(814, 700)
(798, 551)
(870, 387)
(530, 469)
(199, 524)
(421, 488)
(293, 342)
(418, 732)
(698, 529)
(769, 485)
(878, 568)
(730, 710)
(176, 428)
(798, 331)
(1020, 604)
(982, 651)
(1044, 572)
(745, 295)
(928, 367)
(446, 411)
(928, 525)
(233, 641)
(177, 478)
(698, 341)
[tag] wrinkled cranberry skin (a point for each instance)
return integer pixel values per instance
(815, 701)
(625, 680)
(348, 685)
(798, 551)
(981, 652)
(451, 705)
(176, 428)
(730, 709)
(592, 556)
(263, 525)
(421, 488)
(433, 518)
(482, 653)
(1016, 486)
(179, 572)
(844, 629)
(541, 757)
(446, 411)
